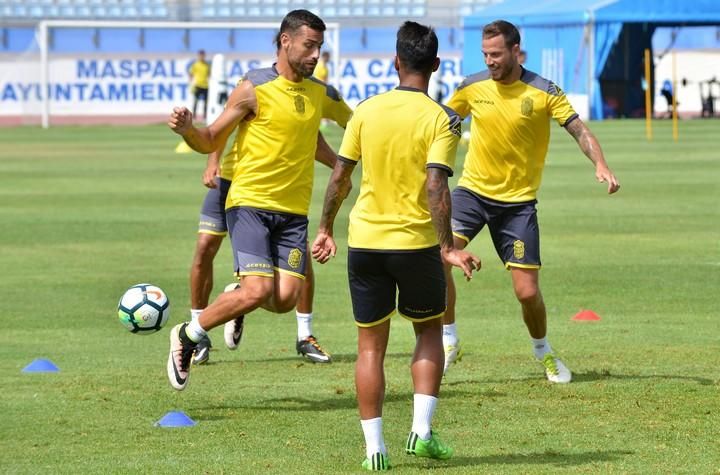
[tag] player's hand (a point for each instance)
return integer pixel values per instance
(180, 120)
(211, 171)
(462, 259)
(605, 175)
(323, 247)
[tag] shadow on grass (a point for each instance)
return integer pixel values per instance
(592, 376)
(345, 401)
(557, 459)
(336, 358)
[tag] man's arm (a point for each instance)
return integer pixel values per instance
(241, 104)
(324, 153)
(591, 148)
(324, 246)
(438, 194)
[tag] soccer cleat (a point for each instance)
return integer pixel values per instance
(555, 370)
(432, 448)
(311, 349)
(453, 354)
(233, 332)
(202, 352)
(181, 353)
(379, 462)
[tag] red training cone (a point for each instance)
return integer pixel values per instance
(586, 316)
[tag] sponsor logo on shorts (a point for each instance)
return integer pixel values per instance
(519, 249)
(258, 265)
(417, 310)
(294, 258)
(526, 107)
(208, 224)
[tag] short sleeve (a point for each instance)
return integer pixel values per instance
(335, 108)
(559, 106)
(459, 102)
(350, 149)
(444, 147)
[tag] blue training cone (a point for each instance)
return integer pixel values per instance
(175, 419)
(41, 366)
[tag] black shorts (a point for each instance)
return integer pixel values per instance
(267, 241)
(416, 277)
(513, 226)
(201, 93)
(212, 213)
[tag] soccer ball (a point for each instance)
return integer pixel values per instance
(144, 309)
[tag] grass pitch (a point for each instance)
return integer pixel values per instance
(87, 212)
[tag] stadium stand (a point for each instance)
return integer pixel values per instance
(356, 17)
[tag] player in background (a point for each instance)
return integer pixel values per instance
(399, 238)
(199, 74)
(212, 229)
(511, 109)
(278, 112)
(321, 70)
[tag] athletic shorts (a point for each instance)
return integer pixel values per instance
(513, 226)
(415, 277)
(212, 213)
(267, 241)
(201, 93)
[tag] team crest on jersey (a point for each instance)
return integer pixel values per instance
(526, 107)
(519, 249)
(294, 258)
(299, 104)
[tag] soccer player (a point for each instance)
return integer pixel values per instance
(278, 112)
(511, 109)
(321, 70)
(199, 72)
(212, 229)
(399, 236)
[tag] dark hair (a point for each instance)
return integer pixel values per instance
(417, 47)
(295, 20)
(509, 32)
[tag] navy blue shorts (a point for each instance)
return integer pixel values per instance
(513, 226)
(212, 213)
(415, 277)
(267, 241)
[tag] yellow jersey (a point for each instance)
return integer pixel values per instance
(275, 151)
(200, 71)
(396, 135)
(510, 133)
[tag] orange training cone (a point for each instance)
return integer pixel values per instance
(586, 316)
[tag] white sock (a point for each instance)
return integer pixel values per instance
(194, 331)
(450, 335)
(195, 313)
(374, 442)
(423, 410)
(541, 347)
(304, 324)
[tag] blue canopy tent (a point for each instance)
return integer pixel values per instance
(589, 47)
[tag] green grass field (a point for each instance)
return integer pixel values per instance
(87, 212)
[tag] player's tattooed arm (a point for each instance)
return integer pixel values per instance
(337, 190)
(591, 148)
(438, 194)
(324, 246)
(440, 204)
